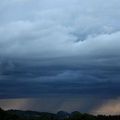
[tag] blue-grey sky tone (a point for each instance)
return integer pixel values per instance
(66, 49)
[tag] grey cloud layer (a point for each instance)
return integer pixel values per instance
(38, 29)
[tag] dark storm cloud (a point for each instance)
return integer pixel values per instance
(20, 80)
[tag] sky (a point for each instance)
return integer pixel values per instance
(60, 55)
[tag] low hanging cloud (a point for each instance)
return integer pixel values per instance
(55, 104)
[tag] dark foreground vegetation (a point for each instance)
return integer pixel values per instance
(31, 115)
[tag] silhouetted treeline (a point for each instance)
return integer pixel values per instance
(61, 115)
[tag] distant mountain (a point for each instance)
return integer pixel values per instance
(32, 114)
(27, 114)
(61, 115)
